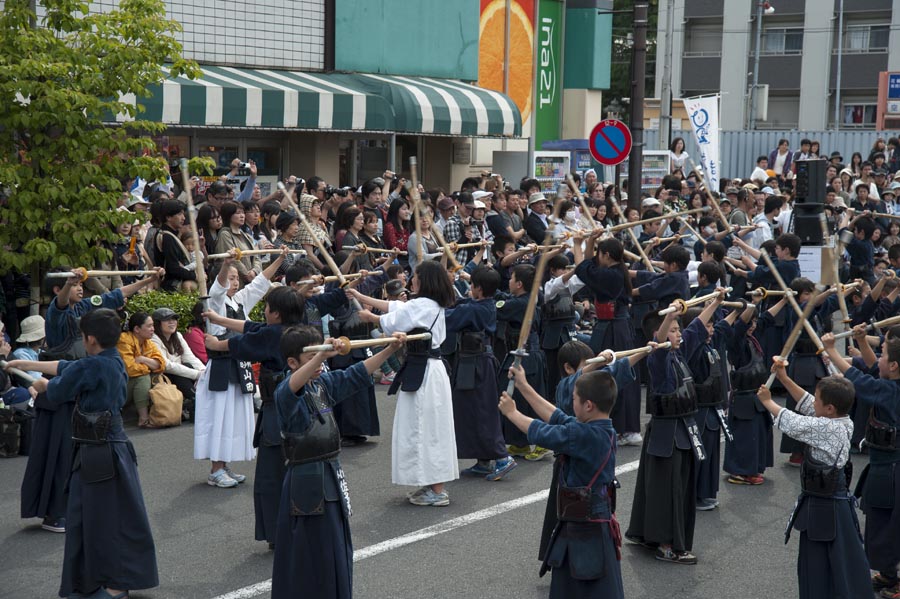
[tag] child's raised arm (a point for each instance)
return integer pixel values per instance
(543, 408)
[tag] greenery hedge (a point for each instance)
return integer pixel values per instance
(181, 303)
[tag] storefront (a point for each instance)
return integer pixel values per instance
(343, 127)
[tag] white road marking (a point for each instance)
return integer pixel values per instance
(254, 590)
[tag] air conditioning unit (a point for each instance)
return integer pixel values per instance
(762, 102)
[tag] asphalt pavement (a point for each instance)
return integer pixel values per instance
(484, 544)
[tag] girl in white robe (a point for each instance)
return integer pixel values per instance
(423, 447)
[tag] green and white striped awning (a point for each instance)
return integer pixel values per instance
(230, 97)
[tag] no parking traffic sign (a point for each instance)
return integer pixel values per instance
(610, 142)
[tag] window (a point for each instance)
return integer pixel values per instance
(866, 38)
(782, 40)
(860, 115)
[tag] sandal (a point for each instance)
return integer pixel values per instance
(147, 424)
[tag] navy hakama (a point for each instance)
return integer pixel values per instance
(474, 380)
(664, 508)
(108, 538)
(752, 450)
(313, 554)
(879, 488)
(535, 367)
(49, 463)
(710, 435)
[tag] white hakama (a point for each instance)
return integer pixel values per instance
(223, 423)
(424, 441)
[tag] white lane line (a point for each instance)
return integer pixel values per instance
(254, 590)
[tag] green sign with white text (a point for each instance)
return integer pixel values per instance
(548, 71)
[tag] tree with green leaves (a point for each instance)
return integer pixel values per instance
(64, 74)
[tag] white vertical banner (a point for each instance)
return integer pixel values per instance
(703, 114)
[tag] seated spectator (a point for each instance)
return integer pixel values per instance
(196, 331)
(182, 367)
(30, 342)
(142, 358)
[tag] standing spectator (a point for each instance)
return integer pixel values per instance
(142, 358)
(311, 207)
(892, 155)
(373, 199)
(170, 252)
(267, 219)
(351, 223)
(855, 165)
(803, 153)
(233, 236)
(195, 332)
(397, 228)
(877, 148)
(677, 155)
(209, 223)
(780, 161)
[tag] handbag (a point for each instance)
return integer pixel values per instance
(165, 402)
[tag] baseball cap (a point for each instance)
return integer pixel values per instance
(480, 204)
(161, 314)
(649, 203)
(768, 191)
(731, 190)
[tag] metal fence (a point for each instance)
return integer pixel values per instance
(741, 148)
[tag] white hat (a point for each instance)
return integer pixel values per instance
(479, 204)
(480, 194)
(32, 330)
(536, 197)
(650, 202)
(768, 191)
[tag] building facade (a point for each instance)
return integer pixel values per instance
(801, 45)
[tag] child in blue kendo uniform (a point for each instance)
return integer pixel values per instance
(831, 561)
(109, 548)
(478, 427)
(50, 455)
(258, 342)
(709, 368)
(573, 357)
(879, 483)
(584, 550)
(313, 549)
(663, 511)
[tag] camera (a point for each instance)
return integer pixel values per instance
(245, 165)
(338, 191)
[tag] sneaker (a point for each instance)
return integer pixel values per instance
(429, 497)
(502, 468)
(518, 450)
(481, 468)
(234, 475)
(54, 524)
(387, 379)
(220, 479)
(750, 479)
(632, 439)
(880, 581)
(705, 505)
(796, 460)
(538, 454)
(676, 557)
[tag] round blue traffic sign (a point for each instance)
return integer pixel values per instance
(610, 142)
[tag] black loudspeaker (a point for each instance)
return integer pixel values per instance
(807, 223)
(810, 183)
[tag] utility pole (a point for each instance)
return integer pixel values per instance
(754, 91)
(636, 120)
(665, 93)
(837, 77)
